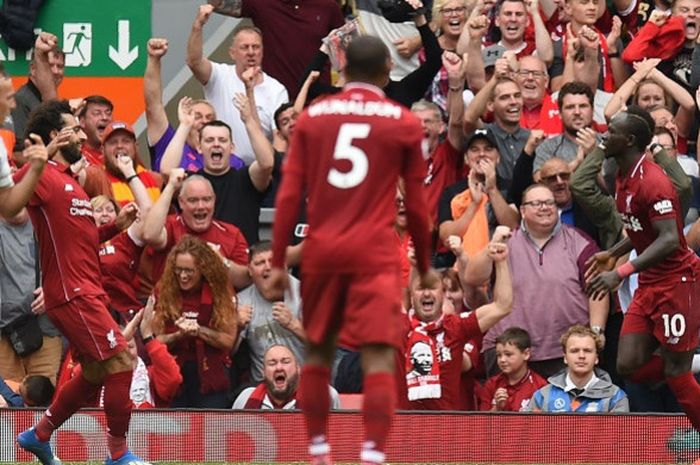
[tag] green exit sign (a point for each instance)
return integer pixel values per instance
(99, 38)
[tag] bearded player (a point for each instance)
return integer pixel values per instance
(61, 214)
(665, 310)
(347, 154)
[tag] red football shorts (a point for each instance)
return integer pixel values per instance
(86, 323)
(366, 307)
(668, 311)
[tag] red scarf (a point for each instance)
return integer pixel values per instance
(421, 383)
(212, 363)
(608, 81)
(257, 397)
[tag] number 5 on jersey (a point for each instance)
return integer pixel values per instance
(345, 150)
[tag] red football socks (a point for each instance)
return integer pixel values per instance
(117, 405)
(377, 410)
(687, 392)
(315, 399)
(73, 395)
(650, 372)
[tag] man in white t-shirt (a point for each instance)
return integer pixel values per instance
(222, 81)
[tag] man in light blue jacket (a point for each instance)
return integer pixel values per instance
(580, 387)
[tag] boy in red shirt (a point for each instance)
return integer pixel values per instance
(511, 390)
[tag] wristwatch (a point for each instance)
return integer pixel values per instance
(598, 330)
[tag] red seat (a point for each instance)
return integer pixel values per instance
(351, 401)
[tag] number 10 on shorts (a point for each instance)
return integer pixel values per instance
(674, 325)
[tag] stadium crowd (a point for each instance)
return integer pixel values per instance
(513, 97)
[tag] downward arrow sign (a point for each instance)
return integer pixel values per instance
(122, 56)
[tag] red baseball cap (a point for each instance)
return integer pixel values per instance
(117, 126)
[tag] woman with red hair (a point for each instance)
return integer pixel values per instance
(196, 318)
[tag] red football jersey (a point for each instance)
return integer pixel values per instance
(119, 262)
(61, 214)
(519, 394)
(452, 334)
(445, 167)
(347, 153)
(642, 197)
(223, 236)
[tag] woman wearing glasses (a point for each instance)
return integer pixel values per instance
(196, 318)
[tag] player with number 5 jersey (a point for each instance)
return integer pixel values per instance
(347, 154)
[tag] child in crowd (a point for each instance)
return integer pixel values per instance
(33, 391)
(511, 389)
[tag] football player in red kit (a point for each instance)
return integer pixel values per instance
(665, 310)
(76, 303)
(347, 154)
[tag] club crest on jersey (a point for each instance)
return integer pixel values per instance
(663, 206)
(112, 339)
(444, 353)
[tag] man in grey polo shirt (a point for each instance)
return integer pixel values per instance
(575, 102)
(501, 96)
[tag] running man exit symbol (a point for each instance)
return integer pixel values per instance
(77, 44)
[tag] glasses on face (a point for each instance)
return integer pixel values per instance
(535, 74)
(186, 271)
(539, 203)
(564, 176)
(453, 11)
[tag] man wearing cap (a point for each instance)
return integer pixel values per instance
(119, 140)
(473, 207)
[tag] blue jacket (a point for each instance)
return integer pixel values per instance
(11, 397)
(603, 396)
